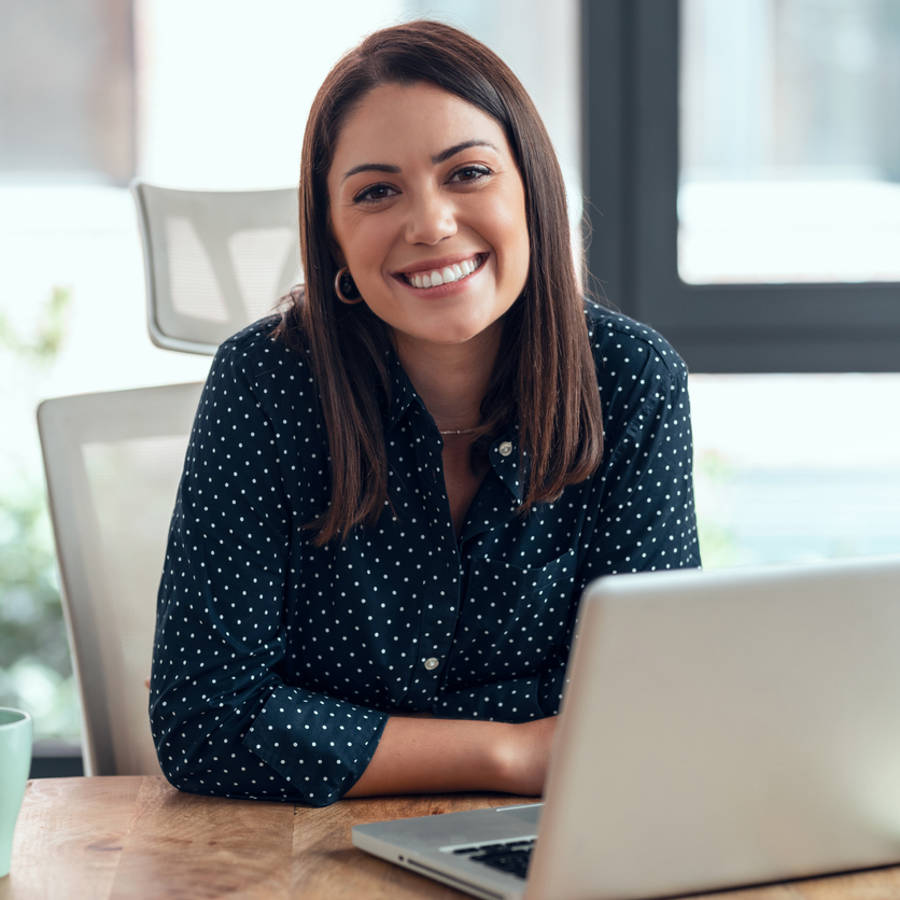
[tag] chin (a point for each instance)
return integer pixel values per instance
(455, 335)
(460, 329)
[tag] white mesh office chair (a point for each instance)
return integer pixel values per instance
(214, 261)
(112, 462)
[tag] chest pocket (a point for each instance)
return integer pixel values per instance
(515, 619)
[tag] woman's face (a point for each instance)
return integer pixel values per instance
(428, 210)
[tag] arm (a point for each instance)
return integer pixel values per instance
(424, 755)
(646, 519)
(223, 719)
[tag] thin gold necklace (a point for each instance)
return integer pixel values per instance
(457, 431)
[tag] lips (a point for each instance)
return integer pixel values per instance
(448, 273)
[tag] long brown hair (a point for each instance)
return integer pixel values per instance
(544, 378)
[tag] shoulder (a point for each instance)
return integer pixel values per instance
(625, 349)
(640, 375)
(258, 356)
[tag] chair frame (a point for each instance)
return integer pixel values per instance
(142, 192)
(66, 425)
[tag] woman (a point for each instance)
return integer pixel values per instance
(392, 501)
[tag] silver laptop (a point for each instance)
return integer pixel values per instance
(718, 729)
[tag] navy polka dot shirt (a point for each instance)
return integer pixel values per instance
(277, 663)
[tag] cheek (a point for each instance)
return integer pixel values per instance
(517, 246)
(371, 235)
(512, 229)
(357, 244)
(524, 250)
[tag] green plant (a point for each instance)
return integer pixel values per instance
(44, 345)
(35, 668)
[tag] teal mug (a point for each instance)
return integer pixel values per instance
(15, 761)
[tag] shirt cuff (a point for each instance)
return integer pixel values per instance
(319, 744)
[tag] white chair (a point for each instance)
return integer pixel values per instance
(112, 462)
(214, 261)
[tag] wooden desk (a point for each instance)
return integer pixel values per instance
(136, 836)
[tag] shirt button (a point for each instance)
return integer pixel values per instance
(432, 663)
(505, 448)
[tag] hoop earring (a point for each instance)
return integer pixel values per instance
(345, 287)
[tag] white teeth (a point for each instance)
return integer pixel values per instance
(447, 275)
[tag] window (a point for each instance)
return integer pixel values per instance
(682, 166)
(718, 136)
(789, 163)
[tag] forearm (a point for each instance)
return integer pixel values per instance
(425, 755)
(269, 740)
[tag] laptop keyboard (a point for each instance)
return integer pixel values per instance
(508, 856)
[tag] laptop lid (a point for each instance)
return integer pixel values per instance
(724, 728)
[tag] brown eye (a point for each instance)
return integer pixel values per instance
(470, 173)
(374, 193)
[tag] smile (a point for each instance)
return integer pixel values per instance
(446, 275)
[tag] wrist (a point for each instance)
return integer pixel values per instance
(505, 756)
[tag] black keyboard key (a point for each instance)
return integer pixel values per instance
(515, 865)
(514, 861)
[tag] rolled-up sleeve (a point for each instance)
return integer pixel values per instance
(223, 719)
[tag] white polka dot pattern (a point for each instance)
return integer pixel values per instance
(276, 663)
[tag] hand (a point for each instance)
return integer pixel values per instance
(524, 756)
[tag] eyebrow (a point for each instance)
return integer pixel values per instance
(458, 148)
(437, 158)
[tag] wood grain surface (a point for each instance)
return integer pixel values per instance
(136, 836)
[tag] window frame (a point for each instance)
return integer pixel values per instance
(630, 64)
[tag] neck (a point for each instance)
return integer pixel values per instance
(451, 379)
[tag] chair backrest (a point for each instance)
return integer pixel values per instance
(214, 261)
(112, 462)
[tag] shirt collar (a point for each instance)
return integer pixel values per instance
(504, 454)
(402, 391)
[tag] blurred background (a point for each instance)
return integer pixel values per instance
(783, 128)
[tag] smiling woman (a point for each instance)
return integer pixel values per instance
(438, 202)
(396, 491)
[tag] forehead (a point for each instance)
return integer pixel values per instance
(397, 122)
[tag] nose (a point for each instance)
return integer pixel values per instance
(431, 218)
